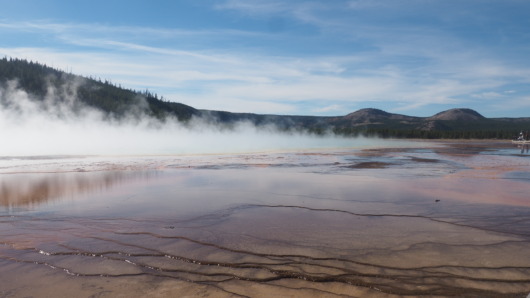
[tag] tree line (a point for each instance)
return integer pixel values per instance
(36, 79)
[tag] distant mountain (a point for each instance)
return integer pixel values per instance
(453, 123)
(365, 117)
(458, 115)
(117, 102)
(375, 115)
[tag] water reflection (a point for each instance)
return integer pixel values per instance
(524, 148)
(31, 190)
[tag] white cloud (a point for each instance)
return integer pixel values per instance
(300, 11)
(255, 7)
(517, 106)
(406, 65)
(331, 108)
(99, 29)
(487, 95)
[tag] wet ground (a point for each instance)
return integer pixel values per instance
(440, 219)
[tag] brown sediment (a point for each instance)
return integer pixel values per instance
(366, 259)
(312, 271)
(239, 230)
(370, 165)
(428, 160)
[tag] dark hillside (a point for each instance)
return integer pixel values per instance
(38, 79)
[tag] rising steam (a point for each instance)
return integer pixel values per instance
(59, 124)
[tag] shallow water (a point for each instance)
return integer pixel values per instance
(445, 220)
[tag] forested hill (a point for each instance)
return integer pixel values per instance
(38, 79)
(42, 82)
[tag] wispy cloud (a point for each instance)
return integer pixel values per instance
(363, 4)
(332, 108)
(301, 11)
(353, 59)
(255, 7)
(247, 83)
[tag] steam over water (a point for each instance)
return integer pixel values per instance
(444, 219)
(59, 124)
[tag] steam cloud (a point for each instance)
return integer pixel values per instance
(59, 124)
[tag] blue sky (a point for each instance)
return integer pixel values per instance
(414, 57)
